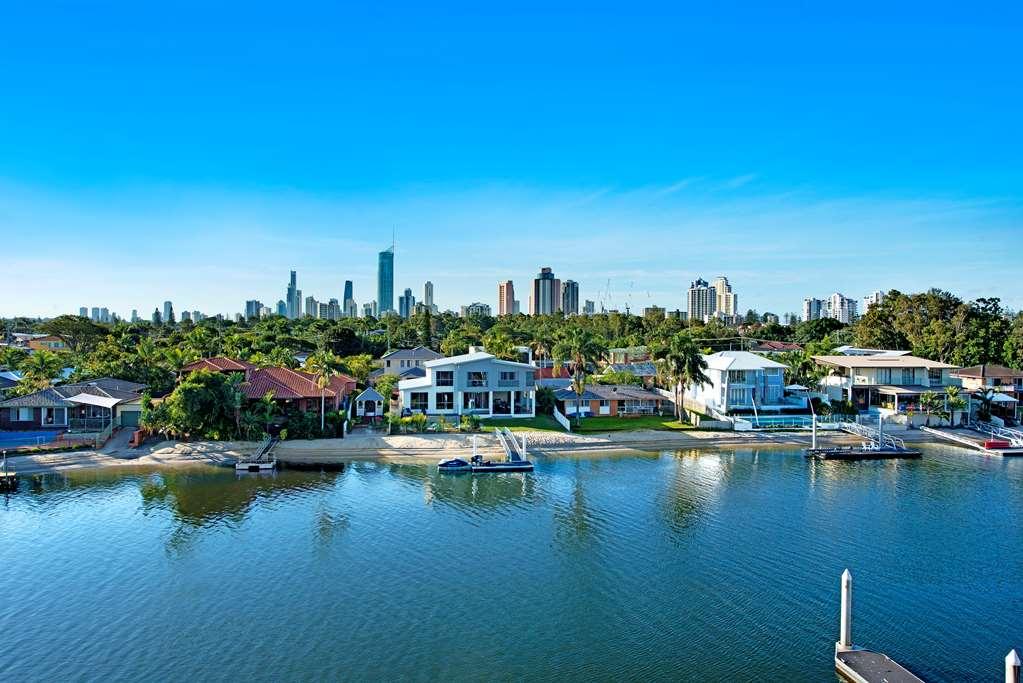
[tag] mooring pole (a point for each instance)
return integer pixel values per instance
(845, 626)
(1012, 666)
(523, 444)
(473, 445)
(813, 438)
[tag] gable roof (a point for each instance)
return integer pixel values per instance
(988, 370)
(285, 383)
(472, 358)
(608, 392)
(219, 364)
(775, 346)
(881, 361)
(418, 353)
(369, 394)
(739, 360)
(45, 398)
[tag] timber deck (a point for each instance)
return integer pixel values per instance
(867, 666)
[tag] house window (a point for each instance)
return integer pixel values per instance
(884, 375)
(508, 375)
(444, 378)
(445, 401)
(476, 400)
(736, 376)
(419, 400)
(736, 396)
(934, 375)
(24, 414)
(908, 375)
(477, 379)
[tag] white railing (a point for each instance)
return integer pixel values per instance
(872, 433)
(562, 420)
(1013, 436)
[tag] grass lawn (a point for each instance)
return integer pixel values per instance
(540, 423)
(628, 424)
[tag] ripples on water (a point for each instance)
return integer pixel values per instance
(695, 565)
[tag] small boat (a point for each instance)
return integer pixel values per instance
(454, 465)
(503, 466)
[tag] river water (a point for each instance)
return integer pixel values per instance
(690, 565)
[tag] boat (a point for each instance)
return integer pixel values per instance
(454, 465)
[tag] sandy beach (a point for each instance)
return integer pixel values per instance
(406, 447)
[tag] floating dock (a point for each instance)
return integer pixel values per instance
(260, 461)
(8, 481)
(861, 453)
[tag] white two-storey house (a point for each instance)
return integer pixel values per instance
(889, 381)
(742, 382)
(472, 384)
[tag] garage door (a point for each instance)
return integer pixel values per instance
(130, 418)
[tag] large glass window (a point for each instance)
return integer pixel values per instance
(475, 400)
(908, 376)
(477, 379)
(444, 378)
(419, 400)
(24, 414)
(934, 375)
(445, 401)
(736, 376)
(884, 375)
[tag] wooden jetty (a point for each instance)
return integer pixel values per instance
(876, 446)
(261, 460)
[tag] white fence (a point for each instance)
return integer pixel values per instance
(562, 420)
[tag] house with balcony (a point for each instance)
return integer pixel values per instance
(406, 363)
(1005, 384)
(742, 383)
(472, 384)
(884, 380)
(90, 406)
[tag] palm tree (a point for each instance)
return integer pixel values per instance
(500, 344)
(40, 369)
(322, 364)
(684, 366)
(955, 402)
(541, 345)
(930, 403)
(582, 348)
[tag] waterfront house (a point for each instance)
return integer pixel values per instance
(292, 389)
(644, 370)
(883, 380)
(742, 383)
(473, 383)
(83, 406)
(613, 400)
(1006, 383)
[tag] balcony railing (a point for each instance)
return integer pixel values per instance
(509, 383)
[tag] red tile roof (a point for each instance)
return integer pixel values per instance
(777, 346)
(219, 364)
(548, 373)
(284, 383)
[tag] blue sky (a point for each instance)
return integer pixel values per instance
(198, 152)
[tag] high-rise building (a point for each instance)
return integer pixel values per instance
(570, 297)
(385, 280)
(506, 298)
(282, 308)
(333, 310)
(348, 292)
(252, 307)
(428, 295)
(350, 309)
(294, 298)
(83, 312)
(406, 303)
(168, 311)
(654, 313)
(546, 297)
(186, 316)
(369, 310)
(134, 315)
(702, 300)
(841, 308)
(95, 314)
(312, 307)
(476, 309)
(725, 302)
(197, 316)
(589, 308)
(813, 309)
(872, 300)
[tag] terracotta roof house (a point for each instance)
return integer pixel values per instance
(293, 388)
(1006, 382)
(85, 406)
(770, 347)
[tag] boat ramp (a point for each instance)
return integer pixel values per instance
(984, 437)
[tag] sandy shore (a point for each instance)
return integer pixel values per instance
(410, 447)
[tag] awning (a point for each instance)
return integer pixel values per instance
(1003, 398)
(93, 400)
(909, 390)
(796, 387)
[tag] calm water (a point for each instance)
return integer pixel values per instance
(710, 565)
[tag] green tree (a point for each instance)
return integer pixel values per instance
(581, 348)
(931, 404)
(323, 364)
(79, 334)
(954, 402)
(500, 344)
(684, 366)
(39, 370)
(358, 366)
(12, 357)
(385, 385)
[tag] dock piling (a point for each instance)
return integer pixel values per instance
(845, 627)
(813, 437)
(1012, 667)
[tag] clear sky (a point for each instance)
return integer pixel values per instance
(200, 150)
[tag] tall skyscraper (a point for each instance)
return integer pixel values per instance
(369, 310)
(186, 316)
(406, 303)
(168, 311)
(134, 315)
(872, 300)
(702, 300)
(95, 314)
(812, 309)
(546, 298)
(725, 302)
(252, 308)
(312, 306)
(841, 308)
(589, 308)
(282, 308)
(348, 293)
(385, 281)
(83, 312)
(570, 297)
(428, 295)
(294, 298)
(506, 298)
(104, 315)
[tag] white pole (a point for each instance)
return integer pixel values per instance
(1012, 666)
(880, 430)
(473, 445)
(523, 444)
(813, 443)
(845, 628)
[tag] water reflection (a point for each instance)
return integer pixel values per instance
(491, 492)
